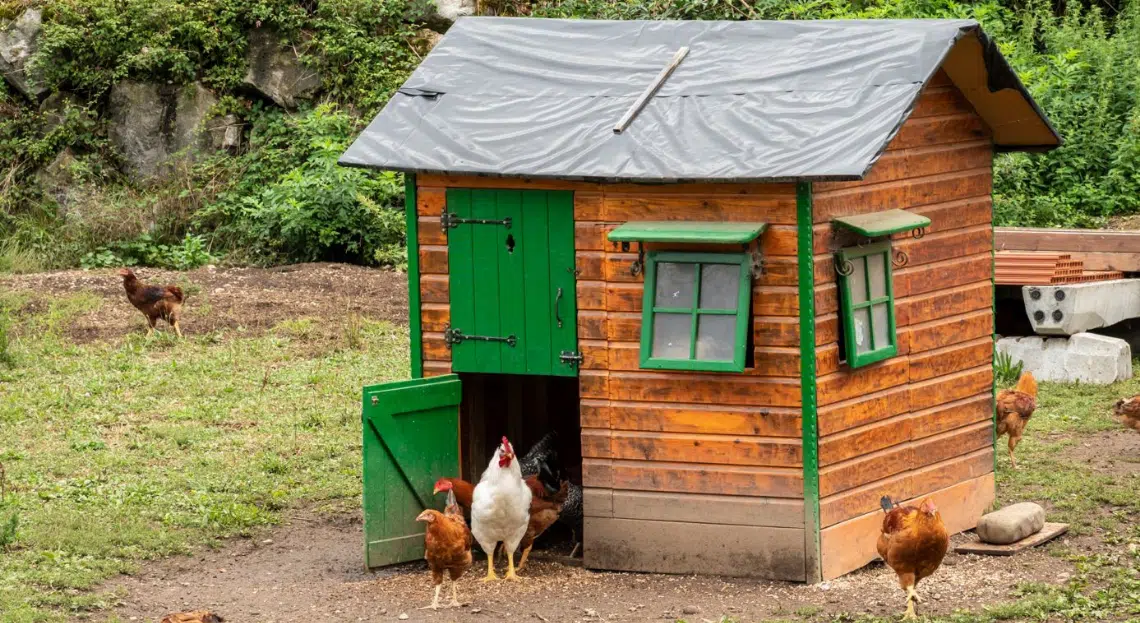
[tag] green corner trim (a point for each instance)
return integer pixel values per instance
(716, 232)
(415, 332)
(806, 265)
(993, 327)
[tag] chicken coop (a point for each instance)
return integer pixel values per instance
(744, 268)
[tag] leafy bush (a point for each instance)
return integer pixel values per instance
(1006, 372)
(192, 252)
(292, 202)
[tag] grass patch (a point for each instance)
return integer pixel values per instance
(120, 453)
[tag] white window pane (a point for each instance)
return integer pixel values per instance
(675, 284)
(862, 328)
(671, 333)
(858, 280)
(720, 286)
(876, 264)
(716, 337)
(880, 327)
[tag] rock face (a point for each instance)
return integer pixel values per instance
(452, 10)
(17, 45)
(1084, 358)
(276, 72)
(1011, 524)
(154, 126)
(58, 181)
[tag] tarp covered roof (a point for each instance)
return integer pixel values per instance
(752, 101)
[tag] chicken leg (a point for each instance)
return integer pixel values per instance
(525, 554)
(177, 329)
(490, 577)
(911, 598)
(511, 567)
(454, 597)
(1012, 446)
(435, 602)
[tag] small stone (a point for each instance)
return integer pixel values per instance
(383, 611)
(403, 616)
(825, 586)
(476, 610)
(590, 612)
(1011, 524)
(690, 610)
(267, 542)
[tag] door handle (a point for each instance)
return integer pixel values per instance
(557, 306)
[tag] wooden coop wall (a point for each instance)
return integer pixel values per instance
(683, 472)
(921, 422)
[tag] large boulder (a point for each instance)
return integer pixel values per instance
(18, 41)
(452, 10)
(1011, 524)
(155, 126)
(276, 71)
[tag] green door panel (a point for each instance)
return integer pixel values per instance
(515, 281)
(411, 438)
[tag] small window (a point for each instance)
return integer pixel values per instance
(696, 311)
(867, 303)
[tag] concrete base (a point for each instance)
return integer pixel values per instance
(1079, 307)
(1083, 358)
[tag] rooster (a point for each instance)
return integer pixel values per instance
(544, 511)
(1014, 408)
(500, 508)
(154, 302)
(447, 546)
(913, 543)
(1127, 410)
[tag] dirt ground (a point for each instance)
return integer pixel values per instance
(244, 300)
(311, 570)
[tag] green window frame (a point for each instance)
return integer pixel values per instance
(867, 307)
(655, 311)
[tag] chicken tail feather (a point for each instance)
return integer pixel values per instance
(177, 292)
(886, 503)
(1027, 384)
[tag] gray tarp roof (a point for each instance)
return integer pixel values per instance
(752, 101)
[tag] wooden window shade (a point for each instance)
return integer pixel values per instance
(867, 303)
(687, 232)
(885, 223)
(696, 311)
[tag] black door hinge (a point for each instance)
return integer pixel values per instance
(448, 220)
(571, 358)
(455, 336)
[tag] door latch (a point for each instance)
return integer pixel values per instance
(449, 220)
(455, 336)
(571, 358)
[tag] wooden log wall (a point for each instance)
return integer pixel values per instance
(678, 467)
(918, 423)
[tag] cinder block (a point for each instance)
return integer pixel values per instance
(1083, 358)
(1075, 308)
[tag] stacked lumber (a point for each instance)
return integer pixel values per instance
(1099, 249)
(1042, 269)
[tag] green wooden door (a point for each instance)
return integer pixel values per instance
(411, 438)
(511, 264)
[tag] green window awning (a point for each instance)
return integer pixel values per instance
(687, 231)
(882, 223)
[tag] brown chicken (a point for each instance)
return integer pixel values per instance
(154, 302)
(1014, 408)
(464, 490)
(1127, 410)
(447, 546)
(913, 543)
(197, 616)
(544, 511)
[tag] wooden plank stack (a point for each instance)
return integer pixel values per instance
(1042, 269)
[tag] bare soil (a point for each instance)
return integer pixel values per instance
(1110, 452)
(246, 301)
(311, 571)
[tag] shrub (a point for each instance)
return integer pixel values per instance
(192, 252)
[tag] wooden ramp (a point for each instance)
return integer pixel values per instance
(1049, 532)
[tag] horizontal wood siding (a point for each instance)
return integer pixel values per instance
(919, 422)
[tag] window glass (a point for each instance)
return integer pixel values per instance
(720, 286)
(671, 335)
(878, 275)
(867, 307)
(858, 280)
(716, 337)
(880, 325)
(675, 285)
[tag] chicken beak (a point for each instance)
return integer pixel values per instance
(425, 516)
(435, 491)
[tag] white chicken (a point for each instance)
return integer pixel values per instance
(500, 508)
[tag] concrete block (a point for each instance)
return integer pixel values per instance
(1075, 308)
(1011, 524)
(1083, 358)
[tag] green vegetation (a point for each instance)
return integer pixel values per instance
(120, 453)
(1006, 372)
(283, 199)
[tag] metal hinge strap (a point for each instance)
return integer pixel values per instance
(455, 336)
(571, 358)
(448, 220)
